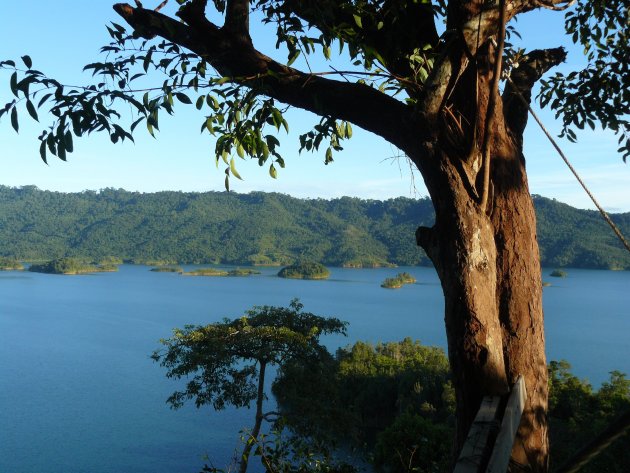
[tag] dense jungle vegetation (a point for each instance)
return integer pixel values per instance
(396, 401)
(264, 228)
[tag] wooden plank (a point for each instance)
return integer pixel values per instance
(471, 456)
(500, 458)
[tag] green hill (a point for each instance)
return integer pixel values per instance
(263, 228)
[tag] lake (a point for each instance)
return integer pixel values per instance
(79, 393)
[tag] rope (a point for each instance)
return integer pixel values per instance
(571, 168)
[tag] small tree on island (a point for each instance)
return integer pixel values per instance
(226, 361)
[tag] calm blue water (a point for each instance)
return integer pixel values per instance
(78, 392)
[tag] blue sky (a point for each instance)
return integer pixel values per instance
(64, 35)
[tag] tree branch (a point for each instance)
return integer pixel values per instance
(393, 31)
(237, 18)
(357, 103)
(525, 73)
(522, 6)
(490, 115)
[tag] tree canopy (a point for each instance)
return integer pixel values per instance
(239, 94)
(224, 363)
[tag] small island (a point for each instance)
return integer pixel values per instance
(367, 263)
(167, 269)
(305, 270)
(205, 272)
(398, 281)
(558, 273)
(10, 264)
(70, 266)
(240, 272)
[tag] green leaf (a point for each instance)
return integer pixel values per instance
(42, 151)
(61, 151)
(357, 20)
(272, 171)
(14, 119)
(209, 126)
(293, 57)
(30, 108)
(240, 151)
(183, 98)
(234, 171)
(227, 183)
(135, 123)
(329, 156)
(212, 102)
(50, 141)
(200, 101)
(43, 99)
(13, 84)
(69, 145)
(348, 130)
(27, 61)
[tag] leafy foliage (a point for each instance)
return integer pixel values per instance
(279, 451)
(358, 393)
(398, 398)
(222, 360)
(599, 93)
(235, 115)
(225, 362)
(414, 443)
(577, 414)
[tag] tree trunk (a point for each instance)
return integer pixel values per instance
(253, 437)
(489, 268)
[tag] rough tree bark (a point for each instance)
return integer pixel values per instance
(486, 255)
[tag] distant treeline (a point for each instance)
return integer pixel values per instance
(264, 228)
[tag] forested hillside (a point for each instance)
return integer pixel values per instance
(263, 228)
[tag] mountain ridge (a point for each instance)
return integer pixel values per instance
(265, 228)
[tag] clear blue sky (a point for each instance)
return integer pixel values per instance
(64, 35)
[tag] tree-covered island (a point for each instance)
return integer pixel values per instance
(398, 281)
(10, 264)
(305, 270)
(71, 266)
(205, 272)
(167, 269)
